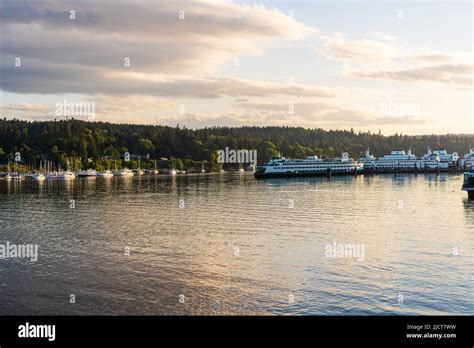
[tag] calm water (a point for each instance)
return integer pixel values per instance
(234, 245)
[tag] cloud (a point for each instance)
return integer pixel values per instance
(433, 57)
(452, 74)
(390, 61)
(363, 51)
(337, 119)
(126, 105)
(49, 80)
(26, 107)
(313, 114)
(384, 36)
(306, 111)
(90, 54)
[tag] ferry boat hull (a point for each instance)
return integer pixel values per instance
(262, 174)
(468, 184)
(420, 168)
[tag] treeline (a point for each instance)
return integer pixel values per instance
(95, 142)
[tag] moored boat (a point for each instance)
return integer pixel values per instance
(124, 172)
(311, 166)
(52, 175)
(367, 158)
(17, 177)
(89, 173)
(67, 175)
(468, 161)
(446, 160)
(400, 161)
(468, 184)
(38, 177)
(105, 174)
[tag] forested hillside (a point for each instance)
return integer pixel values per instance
(90, 142)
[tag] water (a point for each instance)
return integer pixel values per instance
(229, 244)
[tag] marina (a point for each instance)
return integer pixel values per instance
(398, 161)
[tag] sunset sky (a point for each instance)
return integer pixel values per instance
(395, 66)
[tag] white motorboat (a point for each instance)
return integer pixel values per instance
(124, 172)
(38, 177)
(105, 174)
(89, 173)
(67, 175)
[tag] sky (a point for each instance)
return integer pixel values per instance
(395, 66)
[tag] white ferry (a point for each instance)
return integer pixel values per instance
(311, 166)
(468, 161)
(399, 160)
(446, 160)
(367, 158)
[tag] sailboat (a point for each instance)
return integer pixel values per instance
(67, 175)
(7, 177)
(16, 175)
(39, 176)
(173, 170)
(139, 171)
(155, 171)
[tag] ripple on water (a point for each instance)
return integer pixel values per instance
(239, 246)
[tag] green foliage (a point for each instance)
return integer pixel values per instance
(101, 145)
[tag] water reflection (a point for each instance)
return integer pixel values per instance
(237, 245)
